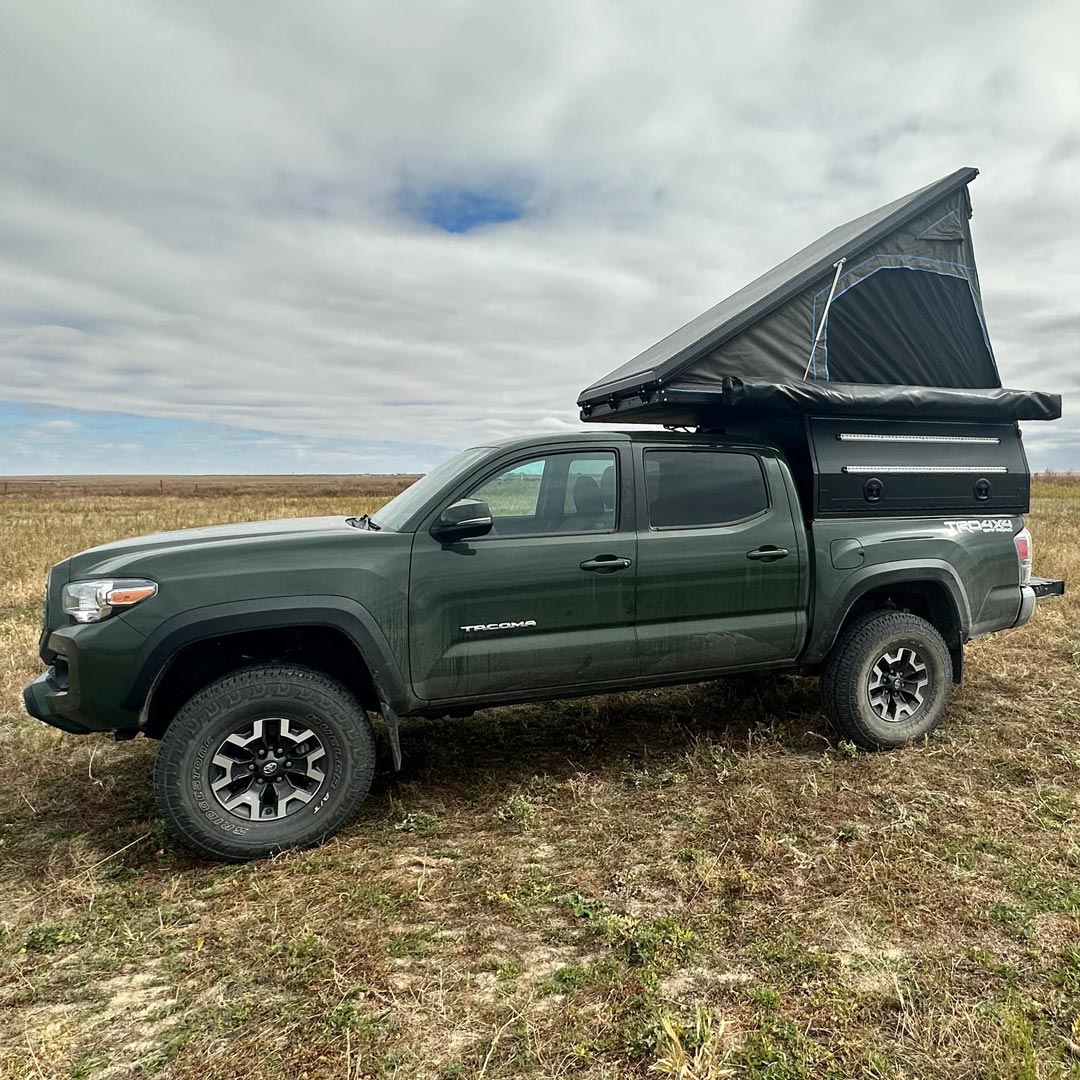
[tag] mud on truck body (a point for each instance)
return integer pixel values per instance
(840, 493)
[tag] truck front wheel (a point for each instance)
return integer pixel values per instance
(887, 680)
(269, 757)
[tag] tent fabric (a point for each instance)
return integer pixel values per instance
(905, 312)
(900, 402)
(950, 227)
(781, 344)
(767, 328)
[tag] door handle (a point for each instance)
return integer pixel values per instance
(768, 553)
(607, 564)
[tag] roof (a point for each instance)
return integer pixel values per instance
(607, 436)
(657, 365)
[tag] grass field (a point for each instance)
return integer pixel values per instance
(698, 882)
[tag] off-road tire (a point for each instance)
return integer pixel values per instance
(850, 669)
(184, 765)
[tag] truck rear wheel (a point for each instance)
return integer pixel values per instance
(270, 757)
(887, 680)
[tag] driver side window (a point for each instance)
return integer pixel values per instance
(513, 495)
(557, 494)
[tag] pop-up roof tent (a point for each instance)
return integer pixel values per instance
(881, 317)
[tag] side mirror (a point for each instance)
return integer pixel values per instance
(461, 520)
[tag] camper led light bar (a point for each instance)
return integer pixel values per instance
(912, 469)
(868, 437)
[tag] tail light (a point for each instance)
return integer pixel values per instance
(1022, 540)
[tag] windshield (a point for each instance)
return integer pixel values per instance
(399, 509)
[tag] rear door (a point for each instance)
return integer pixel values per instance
(719, 561)
(546, 599)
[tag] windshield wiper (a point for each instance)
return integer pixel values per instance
(363, 522)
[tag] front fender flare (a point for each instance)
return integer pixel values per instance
(219, 620)
(825, 631)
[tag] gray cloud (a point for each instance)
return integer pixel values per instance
(202, 213)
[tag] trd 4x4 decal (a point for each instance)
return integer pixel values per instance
(986, 525)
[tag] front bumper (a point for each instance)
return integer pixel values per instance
(1035, 590)
(44, 699)
(86, 684)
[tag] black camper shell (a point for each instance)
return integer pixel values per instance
(866, 357)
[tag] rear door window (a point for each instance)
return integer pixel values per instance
(694, 488)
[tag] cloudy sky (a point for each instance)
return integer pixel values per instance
(355, 236)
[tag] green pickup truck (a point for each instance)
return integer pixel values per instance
(536, 568)
(841, 494)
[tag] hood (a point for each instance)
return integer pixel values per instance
(113, 558)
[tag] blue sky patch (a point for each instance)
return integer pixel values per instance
(461, 209)
(37, 440)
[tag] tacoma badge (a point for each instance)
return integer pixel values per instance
(523, 625)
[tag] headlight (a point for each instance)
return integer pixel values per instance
(92, 601)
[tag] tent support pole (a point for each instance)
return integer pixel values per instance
(825, 314)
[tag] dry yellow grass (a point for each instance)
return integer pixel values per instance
(700, 878)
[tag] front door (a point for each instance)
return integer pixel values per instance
(719, 562)
(546, 599)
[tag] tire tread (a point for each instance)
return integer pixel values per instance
(841, 684)
(304, 684)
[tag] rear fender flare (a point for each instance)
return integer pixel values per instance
(824, 635)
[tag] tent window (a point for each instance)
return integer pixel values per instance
(919, 326)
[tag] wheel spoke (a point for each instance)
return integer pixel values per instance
(313, 770)
(226, 781)
(228, 763)
(246, 798)
(304, 797)
(243, 741)
(300, 736)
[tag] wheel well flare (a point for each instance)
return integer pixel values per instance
(202, 662)
(927, 599)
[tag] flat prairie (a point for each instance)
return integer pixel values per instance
(696, 882)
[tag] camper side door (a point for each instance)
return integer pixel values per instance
(721, 561)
